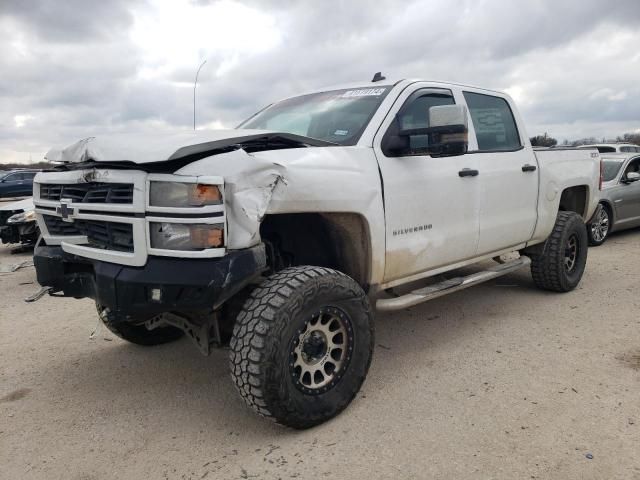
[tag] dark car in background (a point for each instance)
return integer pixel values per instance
(16, 183)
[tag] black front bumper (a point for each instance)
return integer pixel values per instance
(163, 284)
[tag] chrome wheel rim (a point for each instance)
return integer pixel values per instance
(321, 351)
(571, 253)
(600, 225)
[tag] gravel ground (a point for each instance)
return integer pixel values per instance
(501, 381)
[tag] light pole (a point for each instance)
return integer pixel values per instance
(194, 94)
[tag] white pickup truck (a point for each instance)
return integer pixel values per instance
(281, 236)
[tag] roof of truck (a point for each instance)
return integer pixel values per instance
(393, 82)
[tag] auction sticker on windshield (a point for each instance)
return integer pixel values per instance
(364, 92)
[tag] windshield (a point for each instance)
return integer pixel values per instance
(610, 169)
(338, 116)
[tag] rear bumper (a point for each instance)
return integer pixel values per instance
(163, 284)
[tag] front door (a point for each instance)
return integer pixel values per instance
(431, 203)
(626, 197)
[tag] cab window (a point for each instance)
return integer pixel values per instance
(415, 114)
(493, 122)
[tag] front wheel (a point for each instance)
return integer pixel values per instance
(302, 345)
(561, 264)
(599, 227)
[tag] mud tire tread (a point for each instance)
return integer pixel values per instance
(547, 268)
(259, 335)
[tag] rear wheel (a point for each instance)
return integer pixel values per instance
(302, 345)
(138, 334)
(561, 264)
(600, 226)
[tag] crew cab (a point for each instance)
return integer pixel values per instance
(283, 235)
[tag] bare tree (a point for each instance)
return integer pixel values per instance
(543, 141)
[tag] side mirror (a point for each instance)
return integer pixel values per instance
(447, 134)
(632, 177)
(449, 130)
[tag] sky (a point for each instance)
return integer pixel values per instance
(77, 68)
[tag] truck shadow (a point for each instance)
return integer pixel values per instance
(176, 383)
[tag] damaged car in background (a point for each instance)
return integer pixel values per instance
(280, 237)
(18, 223)
(619, 207)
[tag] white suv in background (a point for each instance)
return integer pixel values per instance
(614, 147)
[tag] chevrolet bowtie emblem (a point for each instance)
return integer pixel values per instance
(65, 211)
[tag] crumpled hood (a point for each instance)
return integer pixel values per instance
(24, 205)
(151, 148)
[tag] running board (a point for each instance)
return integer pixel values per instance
(450, 286)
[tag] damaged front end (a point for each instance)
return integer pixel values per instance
(18, 224)
(155, 242)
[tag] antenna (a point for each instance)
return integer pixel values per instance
(194, 94)
(378, 77)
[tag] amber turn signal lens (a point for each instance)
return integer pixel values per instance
(186, 236)
(206, 236)
(201, 194)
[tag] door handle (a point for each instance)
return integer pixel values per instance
(529, 168)
(468, 172)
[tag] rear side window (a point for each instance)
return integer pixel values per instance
(630, 149)
(607, 149)
(610, 169)
(493, 122)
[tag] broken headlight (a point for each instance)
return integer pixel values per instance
(183, 195)
(22, 217)
(186, 236)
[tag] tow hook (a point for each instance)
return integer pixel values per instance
(39, 294)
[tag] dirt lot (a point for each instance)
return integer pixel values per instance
(500, 381)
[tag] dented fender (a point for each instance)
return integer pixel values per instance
(298, 180)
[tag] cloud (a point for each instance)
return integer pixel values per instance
(75, 68)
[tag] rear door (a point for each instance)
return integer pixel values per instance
(508, 174)
(431, 211)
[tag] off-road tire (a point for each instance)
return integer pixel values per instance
(596, 242)
(268, 329)
(138, 334)
(548, 269)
